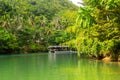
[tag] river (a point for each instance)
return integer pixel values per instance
(43, 66)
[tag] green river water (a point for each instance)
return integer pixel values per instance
(56, 67)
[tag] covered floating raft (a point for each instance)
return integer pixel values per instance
(60, 49)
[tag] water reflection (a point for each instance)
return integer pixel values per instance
(56, 67)
(96, 70)
(52, 57)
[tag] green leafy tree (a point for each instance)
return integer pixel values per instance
(29, 25)
(99, 28)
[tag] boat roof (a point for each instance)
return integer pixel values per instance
(58, 47)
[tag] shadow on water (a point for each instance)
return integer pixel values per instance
(56, 67)
(85, 69)
(98, 70)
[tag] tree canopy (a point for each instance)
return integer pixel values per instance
(33, 25)
(99, 28)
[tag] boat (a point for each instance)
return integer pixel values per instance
(60, 49)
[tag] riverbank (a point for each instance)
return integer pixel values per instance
(101, 57)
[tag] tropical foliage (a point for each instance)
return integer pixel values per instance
(99, 28)
(33, 25)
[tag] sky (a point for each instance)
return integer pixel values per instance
(75, 2)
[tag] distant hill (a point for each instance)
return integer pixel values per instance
(49, 8)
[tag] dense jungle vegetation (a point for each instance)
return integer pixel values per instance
(98, 32)
(33, 25)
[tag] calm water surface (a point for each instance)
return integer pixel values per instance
(55, 67)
